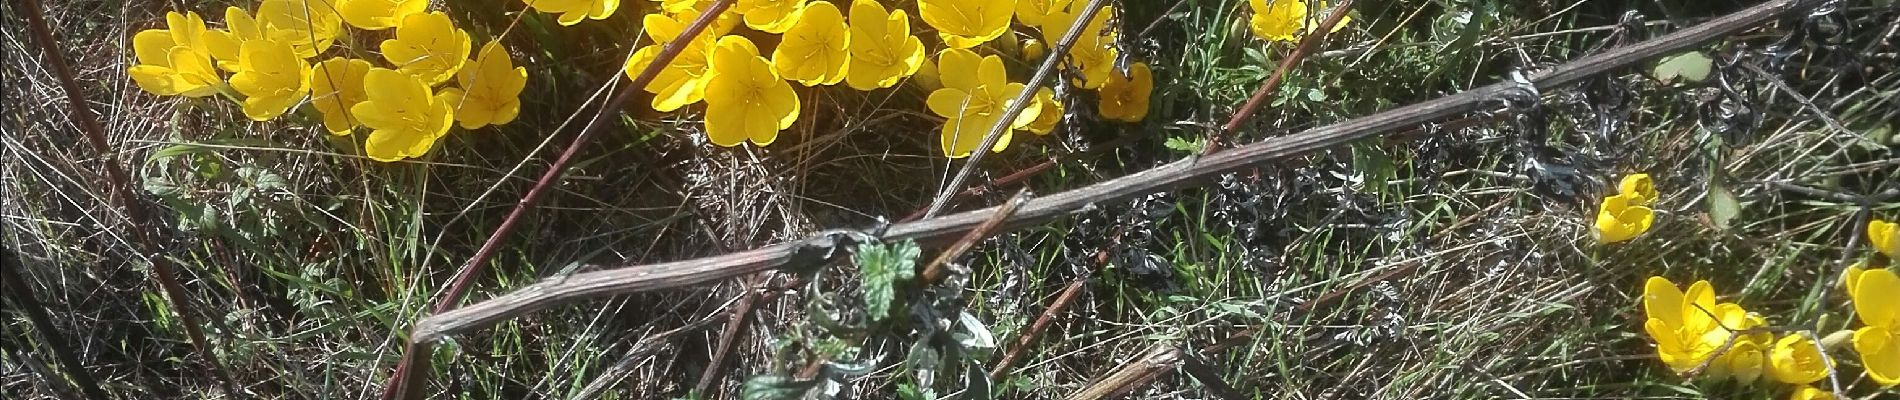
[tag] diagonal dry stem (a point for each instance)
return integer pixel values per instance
(164, 274)
(627, 279)
(399, 381)
(1016, 107)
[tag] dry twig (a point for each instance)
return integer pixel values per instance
(637, 278)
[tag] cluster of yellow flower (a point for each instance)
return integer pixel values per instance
(1627, 214)
(1690, 329)
(267, 56)
(1284, 20)
(748, 97)
(1876, 296)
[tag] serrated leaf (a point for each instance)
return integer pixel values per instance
(774, 387)
(1183, 144)
(1723, 205)
(1692, 66)
(882, 267)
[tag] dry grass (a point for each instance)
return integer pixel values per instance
(1452, 265)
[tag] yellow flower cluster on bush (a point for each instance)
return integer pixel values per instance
(870, 47)
(1627, 214)
(268, 55)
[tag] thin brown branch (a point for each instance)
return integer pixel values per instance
(1017, 106)
(933, 272)
(730, 335)
(637, 278)
(119, 184)
(414, 356)
(1068, 295)
(1209, 376)
(645, 347)
(1156, 363)
(1259, 97)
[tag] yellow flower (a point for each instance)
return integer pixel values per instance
(490, 92)
(405, 120)
(1093, 54)
(378, 14)
(745, 98)
(1851, 277)
(225, 44)
(813, 52)
(1810, 393)
(1744, 360)
(174, 61)
(1619, 219)
(1284, 20)
(1048, 114)
(427, 46)
(1033, 13)
(1680, 321)
(677, 6)
(336, 85)
(927, 77)
(1796, 360)
(1879, 349)
(272, 78)
(309, 26)
(691, 9)
(966, 23)
(1875, 299)
(573, 11)
(976, 90)
(1033, 50)
(1884, 236)
(683, 81)
(1639, 188)
(770, 16)
(1126, 98)
(882, 49)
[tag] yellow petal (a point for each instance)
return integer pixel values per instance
(958, 68)
(1796, 360)
(1884, 236)
(153, 47)
(1033, 13)
(154, 79)
(1663, 300)
(428, 46)
(1050, 115)
(1639, 187)
(1277, 20)
(814, 51)
(1126, 98)
(1875, 299)
(378, 14)
(1879, 350)
(1851, 277)
(770, 16)
(1745, 361)
(964, 24)
(336, 85)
